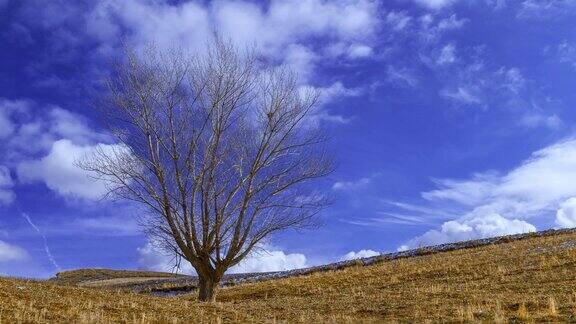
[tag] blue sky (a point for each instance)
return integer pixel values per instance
(450, 120)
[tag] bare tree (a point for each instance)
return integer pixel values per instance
(219, 147)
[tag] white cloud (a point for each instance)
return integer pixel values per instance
(398, 20)
(296, 33)
(567, 53)
(466, 192)
(545, 9)
(513, 79)
(476, 83)
(500, 204)
(9, 108)
(552, 168)
(336, 91)
(11, 253)
(301, 59)
(351, 185)
(71, 126)
(401, 76)
(151, 257)
(452, 23)
(28, 129)
(435, 4)
(360, 51)
(358, 255)
(33, 129)
(58, 170)
(274, 28)
(328, 95)
(268, 260)
(431, 29)
(462, 94)
(489, 225)
(566, 214)
(302, 35)
(5, 177)
(6, 125)
(533, 119)
(6, 184)
(447, 55)
(263, 259)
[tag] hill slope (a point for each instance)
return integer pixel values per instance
(531, 279)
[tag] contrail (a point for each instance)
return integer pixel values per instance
(46, 248)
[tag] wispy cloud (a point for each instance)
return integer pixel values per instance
(542, 189)
(387, 219)
(351, 185)
(436, 4)
(402, 76)
(567, 53)
(7, 196)
(46, 247)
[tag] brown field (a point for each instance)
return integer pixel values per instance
(531, 280)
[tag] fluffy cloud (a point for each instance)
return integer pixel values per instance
(58, 170)
(303, 35)
(337, 91)
(151, 257)
(29, 130)
(467, 229)
(499, 204)
(283, 30)
(11, 253)
(566, 214)
(34, 128)
(268, 259)
(16, 261)
(359, 51)
(263, 259)
(358, 255)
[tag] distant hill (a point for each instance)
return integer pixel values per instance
(526, 278)
(79, 276)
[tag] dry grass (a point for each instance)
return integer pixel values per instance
(532, 280)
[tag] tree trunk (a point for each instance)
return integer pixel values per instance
(207, 289)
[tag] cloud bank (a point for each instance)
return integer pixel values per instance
(263, 259)
(358, 255)
(542, 188)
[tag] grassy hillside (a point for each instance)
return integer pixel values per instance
(528, 280)
(74, 277)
